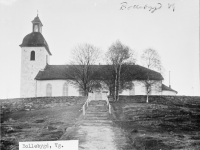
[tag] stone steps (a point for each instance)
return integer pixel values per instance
(95, 124)
(97, 110)
(97, 114)
(95, 118)
(98, 103)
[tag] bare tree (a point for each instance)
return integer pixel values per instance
(117, 55)
(151, 60)
(81, 67)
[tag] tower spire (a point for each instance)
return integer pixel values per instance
(37, 24)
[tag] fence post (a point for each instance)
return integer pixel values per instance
(84, 109)
(109, 108)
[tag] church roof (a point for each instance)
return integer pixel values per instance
(35, 39)
(37, 20)
(62, 72)
(166, 88)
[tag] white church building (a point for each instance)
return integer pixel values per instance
(40, 79)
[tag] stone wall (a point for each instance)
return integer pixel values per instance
(30, 68)
(178, 100)
(28, 104)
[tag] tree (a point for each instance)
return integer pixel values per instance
(81, 70)
(127, 75)
(117, 55)
(151, 60)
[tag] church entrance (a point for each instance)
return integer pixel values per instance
(98, 95)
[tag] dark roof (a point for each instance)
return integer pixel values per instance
(166, 88)
(133, 72)
(37, 20)
(35, 39)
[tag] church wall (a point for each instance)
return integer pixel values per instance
(139, 88)
(157, 88)
(124, 92)
(168, 93)
(30, 68)
(57, 88)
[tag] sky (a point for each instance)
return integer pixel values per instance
(172, 29)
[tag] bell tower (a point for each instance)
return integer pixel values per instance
(37, 25)
(35, 55)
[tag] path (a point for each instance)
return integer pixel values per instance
(95, 130)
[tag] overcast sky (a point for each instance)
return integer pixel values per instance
(172, 31)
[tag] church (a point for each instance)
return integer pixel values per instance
(40, 79)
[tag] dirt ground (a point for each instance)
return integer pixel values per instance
(98, 135)
(37, 125)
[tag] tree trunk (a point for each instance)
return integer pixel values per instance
(118, 83)
(115, 92)
(117, 89)
(85, 90)
(148, 88)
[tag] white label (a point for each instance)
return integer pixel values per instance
(49, 145)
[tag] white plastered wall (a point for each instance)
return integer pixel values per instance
(168, 93)
(57, 88)
(139, 89)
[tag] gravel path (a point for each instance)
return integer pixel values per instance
(97, 136)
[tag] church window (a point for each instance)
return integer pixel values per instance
(48, 90)
(65, 89)
(132, 90)
(32, 55)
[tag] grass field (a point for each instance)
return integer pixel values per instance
(159, 126)
(46, 124)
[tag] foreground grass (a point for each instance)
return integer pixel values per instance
(37, 125)
(159, 126)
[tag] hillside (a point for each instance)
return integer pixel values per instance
(37, 119)
(165, 123)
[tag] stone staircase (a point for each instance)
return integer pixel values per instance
(95, 130)
(97, 114)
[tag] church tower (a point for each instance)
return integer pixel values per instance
(35, 55)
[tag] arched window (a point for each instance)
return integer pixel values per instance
(132, 90)
(65, 89)
(32, 55)
(48, 90)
